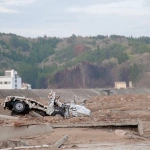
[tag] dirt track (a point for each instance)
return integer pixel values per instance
(114, 108)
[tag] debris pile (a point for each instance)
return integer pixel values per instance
(114, 110)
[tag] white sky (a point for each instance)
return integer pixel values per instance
(62, 18)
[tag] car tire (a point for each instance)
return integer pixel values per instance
(19, 106)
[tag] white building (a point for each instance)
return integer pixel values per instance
(120, 85)
(26, 86)
(11, 80)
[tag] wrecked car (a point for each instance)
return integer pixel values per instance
(23, 105)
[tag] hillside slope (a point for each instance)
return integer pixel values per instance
(77, 62)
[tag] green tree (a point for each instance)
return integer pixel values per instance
(29, 73)
(122, 57)
(134, 72)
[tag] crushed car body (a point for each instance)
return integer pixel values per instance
(22, 105)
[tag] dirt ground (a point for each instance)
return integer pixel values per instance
(115, 108)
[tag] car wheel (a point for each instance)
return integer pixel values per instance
(19, 107)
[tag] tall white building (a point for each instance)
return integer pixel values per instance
(11, 80)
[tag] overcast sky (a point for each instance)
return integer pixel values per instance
(62, 18)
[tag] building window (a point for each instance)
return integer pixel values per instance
(7, 82)
(1, 82)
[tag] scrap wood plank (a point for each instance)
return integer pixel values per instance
(18, 124)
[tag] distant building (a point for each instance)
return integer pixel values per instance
(11, 80)
(26, 86)
(123, 85)
(130, 84)
(120, 85)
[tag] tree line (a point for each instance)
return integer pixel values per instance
(25, 55)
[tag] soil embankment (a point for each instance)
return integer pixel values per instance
(68, 94)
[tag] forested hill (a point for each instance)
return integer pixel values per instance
(76, 61)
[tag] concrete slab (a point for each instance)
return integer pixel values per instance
(144, 128)
(98, 124)
(10, 132)
(8, 117)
